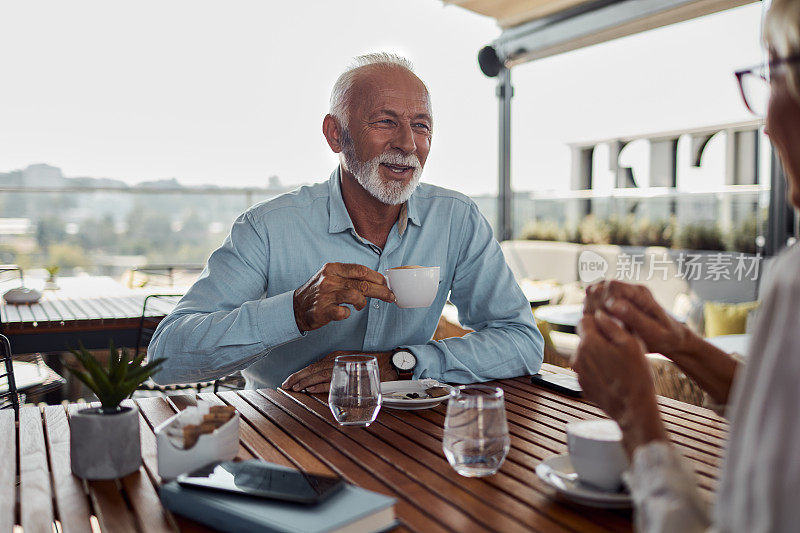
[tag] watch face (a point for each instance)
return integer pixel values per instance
(404, 360)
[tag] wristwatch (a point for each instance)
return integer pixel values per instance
(403, 362)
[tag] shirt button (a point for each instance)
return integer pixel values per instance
(376, 305)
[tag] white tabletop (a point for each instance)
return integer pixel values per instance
(560, 315)
(732, 343)
(537, 292)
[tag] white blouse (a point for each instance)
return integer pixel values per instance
(759, 487)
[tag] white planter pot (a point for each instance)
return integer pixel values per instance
(105, 446)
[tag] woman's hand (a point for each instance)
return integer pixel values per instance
(635, 307)
(615, 374)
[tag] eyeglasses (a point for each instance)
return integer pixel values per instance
(754, 83)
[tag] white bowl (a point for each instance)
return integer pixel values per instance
(220, 445)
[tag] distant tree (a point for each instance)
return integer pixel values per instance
(50, 230)
(194, 229)
(98, 234)
(67, 256)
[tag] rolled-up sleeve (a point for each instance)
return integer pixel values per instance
(506, 342)
(664, 493)
(225, 322)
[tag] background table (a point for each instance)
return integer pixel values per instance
(732, 343)
(91, 310)
(564, 318)
(539, 294)
(399, 455)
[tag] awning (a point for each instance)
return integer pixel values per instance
(510, 13)
(533, 29)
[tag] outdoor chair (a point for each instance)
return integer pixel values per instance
(167, 276)
(5, 270)
(47, 381)
(9, 397)
(147, 326)
(8, 274)
(6, 348)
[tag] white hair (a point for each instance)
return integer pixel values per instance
(339, 93)
(782, 35)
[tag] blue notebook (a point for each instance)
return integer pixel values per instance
(349, 510)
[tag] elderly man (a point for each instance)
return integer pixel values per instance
(297, 281)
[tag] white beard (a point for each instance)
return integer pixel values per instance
(368, 176)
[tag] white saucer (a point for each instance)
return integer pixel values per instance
(411, 386)
(555, 471)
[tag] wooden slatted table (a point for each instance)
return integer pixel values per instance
(91, 310)
(399, 455)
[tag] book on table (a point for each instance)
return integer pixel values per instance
(349, 510)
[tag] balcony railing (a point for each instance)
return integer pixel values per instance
(107, 230)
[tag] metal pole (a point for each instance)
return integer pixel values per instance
(504, 94)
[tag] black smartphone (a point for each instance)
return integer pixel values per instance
(560, 383)
(266, 480)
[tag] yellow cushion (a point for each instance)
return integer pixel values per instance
(551, 354)
(545, 329)
(726, 319)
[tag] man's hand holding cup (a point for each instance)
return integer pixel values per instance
(321, 299)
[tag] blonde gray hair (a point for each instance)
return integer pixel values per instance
(341, 89)
(782, 38)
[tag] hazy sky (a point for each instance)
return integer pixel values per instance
(234, 92)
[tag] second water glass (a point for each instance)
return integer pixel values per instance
(355, 393)
(476, 439)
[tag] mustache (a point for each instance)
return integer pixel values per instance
(394, 158)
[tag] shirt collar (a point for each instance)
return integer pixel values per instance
(410, 212)
(340, 219)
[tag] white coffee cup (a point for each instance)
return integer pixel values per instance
(413, 286)
(596, 452)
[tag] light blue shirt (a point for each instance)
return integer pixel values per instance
(239, 314)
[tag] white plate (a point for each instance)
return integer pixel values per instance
(409, 386)
(555, 471)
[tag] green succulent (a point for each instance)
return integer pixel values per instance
(117, 382)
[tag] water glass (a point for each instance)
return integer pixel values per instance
(476, 439)
(355, 393)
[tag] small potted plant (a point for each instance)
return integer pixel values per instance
(52, 271)
(104, 441)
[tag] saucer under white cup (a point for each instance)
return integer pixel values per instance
(413, 287)
(596, 452)
(557, 472)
